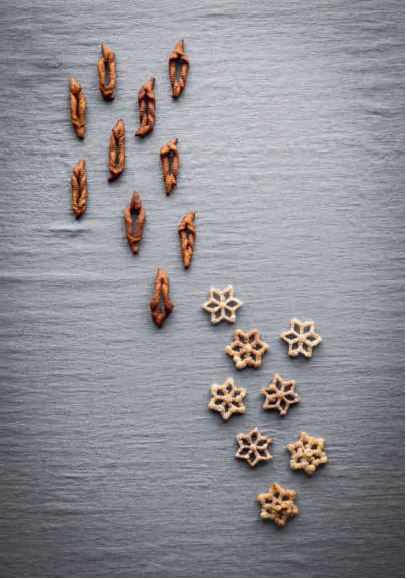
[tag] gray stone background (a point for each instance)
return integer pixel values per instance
(291, 141)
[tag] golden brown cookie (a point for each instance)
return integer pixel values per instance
(117, 154)
(253, 447)
(301, 338)
(169, 157)
(222, 305)
(79, 189)
(161, 305)
(107, 68)
(187, 236)
(246, 349)
(134, 233)
(277, 504)
(77, 104)
(178, 57)
(146, 104)
(307, 453)
(227, 399)
(280, 394)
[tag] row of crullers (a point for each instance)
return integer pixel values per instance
(106, 66)
(161, 305)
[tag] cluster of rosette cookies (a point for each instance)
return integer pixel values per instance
(247, 350)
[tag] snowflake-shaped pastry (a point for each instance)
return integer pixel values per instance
(277, 504)
(246, 349)
(227, 399)
(301, 338)
(280, 394)
(307, 453)
(222, 305)
(253, 447)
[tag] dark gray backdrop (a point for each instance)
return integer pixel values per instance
(290, 135)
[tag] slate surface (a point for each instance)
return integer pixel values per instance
(290, 136)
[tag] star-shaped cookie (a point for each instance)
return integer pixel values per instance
(277, 504)
(246, 349)
(227, 399)
(253, 447)
(280, 394)
(222, 305)
(307, 453)
(301, 338)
